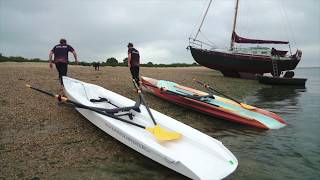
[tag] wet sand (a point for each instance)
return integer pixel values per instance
(39, 139)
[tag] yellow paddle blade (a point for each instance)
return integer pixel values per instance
(162, 134)
(246, 106)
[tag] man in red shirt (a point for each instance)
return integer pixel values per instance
(60, 53)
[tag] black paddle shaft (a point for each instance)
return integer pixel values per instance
(42, 91)
(213, 90)
(144, 102)
(182, 95)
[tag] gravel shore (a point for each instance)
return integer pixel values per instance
(41, 140)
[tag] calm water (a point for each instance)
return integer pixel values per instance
(292, 152)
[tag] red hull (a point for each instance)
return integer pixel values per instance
(209, 109)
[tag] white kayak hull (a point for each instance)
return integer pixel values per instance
(195, 155)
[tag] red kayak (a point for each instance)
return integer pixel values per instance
(213, 105)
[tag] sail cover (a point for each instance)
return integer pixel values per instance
(239, 39)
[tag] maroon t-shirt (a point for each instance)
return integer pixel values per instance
(61, 51)
(135, 57)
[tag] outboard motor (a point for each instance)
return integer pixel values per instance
(288, 74)
(298, 54)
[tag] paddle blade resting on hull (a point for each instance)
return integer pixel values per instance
(246, 106)
(162, 134)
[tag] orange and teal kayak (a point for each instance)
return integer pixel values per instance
(213, 105)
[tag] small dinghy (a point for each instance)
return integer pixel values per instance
(155, 135)
(287, 81)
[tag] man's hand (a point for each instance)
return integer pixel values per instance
(50, 64)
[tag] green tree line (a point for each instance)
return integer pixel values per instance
(108, 62)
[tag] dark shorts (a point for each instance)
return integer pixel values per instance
(135, 74)
(62, 69)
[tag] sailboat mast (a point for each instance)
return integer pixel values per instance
(234, 25)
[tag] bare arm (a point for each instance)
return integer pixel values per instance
(50, 59)
(129, 60)
(75, 56)
(50, 56)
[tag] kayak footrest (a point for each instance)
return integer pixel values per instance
(126, 114)
(102, 99)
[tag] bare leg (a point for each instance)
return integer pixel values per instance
(61, 91)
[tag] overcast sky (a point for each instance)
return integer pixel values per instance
(159, 29)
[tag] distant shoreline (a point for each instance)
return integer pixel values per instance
(42, 63)
(308, 67)
(109, 62)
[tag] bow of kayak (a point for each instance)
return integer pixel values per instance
(195, 155)
(213, 105)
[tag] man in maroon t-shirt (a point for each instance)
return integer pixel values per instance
(134, 62)
(61, 61)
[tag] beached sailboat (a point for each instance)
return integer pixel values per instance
(241, 62)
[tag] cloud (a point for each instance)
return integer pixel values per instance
(160, 29)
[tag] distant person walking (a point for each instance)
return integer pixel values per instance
(96, 66)
(134, 62)
(60, 53)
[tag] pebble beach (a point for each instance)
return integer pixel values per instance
(40, 139)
